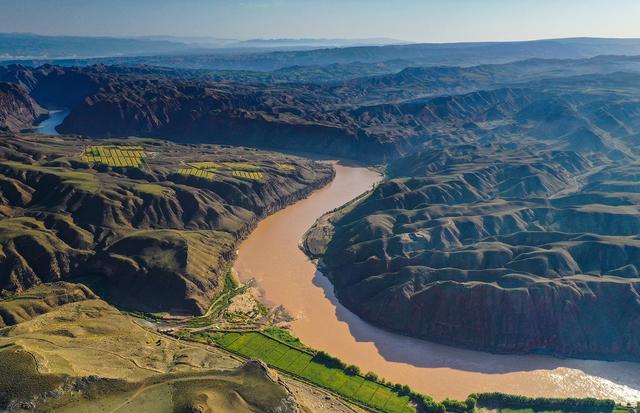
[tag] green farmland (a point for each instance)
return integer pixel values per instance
(305, 365)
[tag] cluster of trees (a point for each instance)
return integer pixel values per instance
(501, 400)
(467, 406)
(329, 361)
(403, 390)
(352, 370)
(427, 404)
(431, 406)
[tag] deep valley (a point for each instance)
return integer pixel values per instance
(375, 228)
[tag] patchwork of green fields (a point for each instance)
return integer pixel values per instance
(303, 364)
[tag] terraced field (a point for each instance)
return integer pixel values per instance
(115, 155)
(200, 173)
(256, 176)
(285, 167)
(305, 364)
(209, 170)
(205, 165)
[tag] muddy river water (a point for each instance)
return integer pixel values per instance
(286, 276)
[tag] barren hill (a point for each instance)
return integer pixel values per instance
(506, 250)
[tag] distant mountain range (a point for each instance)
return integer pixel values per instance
(276, 54)
(215, 42)
(26, 46)
(21, 46)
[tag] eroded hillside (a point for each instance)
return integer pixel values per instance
(501, 249)
(17, 109)
(583, 105)
(150, 225)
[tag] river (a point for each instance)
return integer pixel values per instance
(286, 276)
(55, 118)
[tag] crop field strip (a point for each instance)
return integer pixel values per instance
(204, 165)
(209, 170)
(301, 363)
(200, 173)
(257, 176)
(110, 155)
(285, 167)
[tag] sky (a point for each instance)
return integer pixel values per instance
(412, 20)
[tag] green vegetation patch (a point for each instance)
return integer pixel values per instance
(84, 181)
(287, 359)
(24, 380)
(220, 302)
(509, 403)
(279, 349)
(285, 336)
(153, 189)
(11, 228)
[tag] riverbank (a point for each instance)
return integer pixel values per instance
(285, 276)
(49, 124)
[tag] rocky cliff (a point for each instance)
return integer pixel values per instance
(17, 109)
(375, 118)
(505, 250)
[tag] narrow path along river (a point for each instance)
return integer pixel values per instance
(286, 276)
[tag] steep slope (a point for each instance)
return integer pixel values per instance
(17, 109)
(153, 237)
(219, 113)
(506, 250)
(560, 112)
(374, 119)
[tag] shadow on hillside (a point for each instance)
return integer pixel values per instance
(402, 349)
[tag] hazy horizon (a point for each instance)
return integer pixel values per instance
(179, 38)
(406, 20)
